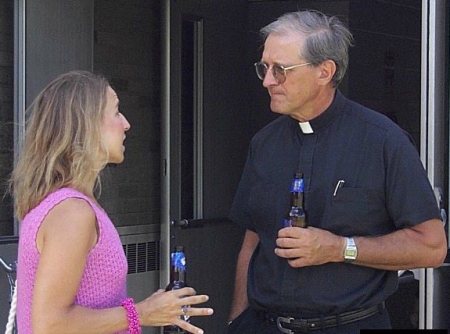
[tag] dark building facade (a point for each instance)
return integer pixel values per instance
(184, 75)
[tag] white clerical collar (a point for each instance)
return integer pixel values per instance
(306, 127)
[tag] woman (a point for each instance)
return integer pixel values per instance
(71, 265)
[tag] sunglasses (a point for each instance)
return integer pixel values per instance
(278, 71)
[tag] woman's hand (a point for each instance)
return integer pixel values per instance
(166, 307)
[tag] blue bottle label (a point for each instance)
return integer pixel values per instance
(286, 222)
(297, 186)
(178, 261)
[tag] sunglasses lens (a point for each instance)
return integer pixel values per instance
(261, 70)
(278, 73)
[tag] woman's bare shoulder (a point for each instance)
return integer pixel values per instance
(72, 220)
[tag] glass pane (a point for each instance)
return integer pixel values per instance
(127, 52)
(385, 65)
(6, 112)
(187, 120)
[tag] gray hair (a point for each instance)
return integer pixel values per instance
(326, 38)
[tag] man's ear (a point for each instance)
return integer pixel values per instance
(327, 71)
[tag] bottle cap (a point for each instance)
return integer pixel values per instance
(179, 248)
(298, 175)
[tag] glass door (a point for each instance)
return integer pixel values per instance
(182, 179)
(204, 142)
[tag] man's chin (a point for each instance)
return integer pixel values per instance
(277, 110)
(277, 107)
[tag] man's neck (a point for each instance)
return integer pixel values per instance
(321, 103)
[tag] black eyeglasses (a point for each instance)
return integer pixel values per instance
(278, 71)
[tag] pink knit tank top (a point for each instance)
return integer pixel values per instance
(103, 283)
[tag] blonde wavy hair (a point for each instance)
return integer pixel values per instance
(63, 145)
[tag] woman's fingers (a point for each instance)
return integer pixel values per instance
(188, 326)
(188, 311)
(193, 300)
(187, 296)
(184, 292)
(197, 311)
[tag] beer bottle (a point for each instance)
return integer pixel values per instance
(177, 269)
(296, 215)
(177, 281)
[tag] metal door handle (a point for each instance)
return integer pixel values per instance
(196, 223)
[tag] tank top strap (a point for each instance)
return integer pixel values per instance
(62, 194)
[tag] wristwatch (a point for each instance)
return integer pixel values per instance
(350, 252)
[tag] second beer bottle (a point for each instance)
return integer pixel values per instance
(296, 215)
(177, 280)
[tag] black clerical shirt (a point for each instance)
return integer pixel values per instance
(384, 188)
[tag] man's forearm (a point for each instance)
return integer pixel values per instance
(240, 301)
(423, 245)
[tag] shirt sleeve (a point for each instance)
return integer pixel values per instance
(240, 213)
(410, 197)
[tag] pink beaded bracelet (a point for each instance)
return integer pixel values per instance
(134, 326)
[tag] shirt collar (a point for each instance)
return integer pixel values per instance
(325, 118)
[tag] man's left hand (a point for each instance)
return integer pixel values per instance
(309, 246)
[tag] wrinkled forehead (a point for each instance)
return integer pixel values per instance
(281, 47)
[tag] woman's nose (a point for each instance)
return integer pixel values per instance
(127, 124)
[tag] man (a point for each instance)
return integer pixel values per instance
(370, 208)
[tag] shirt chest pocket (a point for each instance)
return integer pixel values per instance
(357, 211)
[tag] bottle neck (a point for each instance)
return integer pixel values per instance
(177, 269)
(297, 199)
(178, 275)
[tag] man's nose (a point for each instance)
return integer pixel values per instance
(269, 79)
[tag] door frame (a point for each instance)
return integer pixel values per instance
(433, 142)
(165, 142)
(19, 83)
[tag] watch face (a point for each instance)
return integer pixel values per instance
(350, 254)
